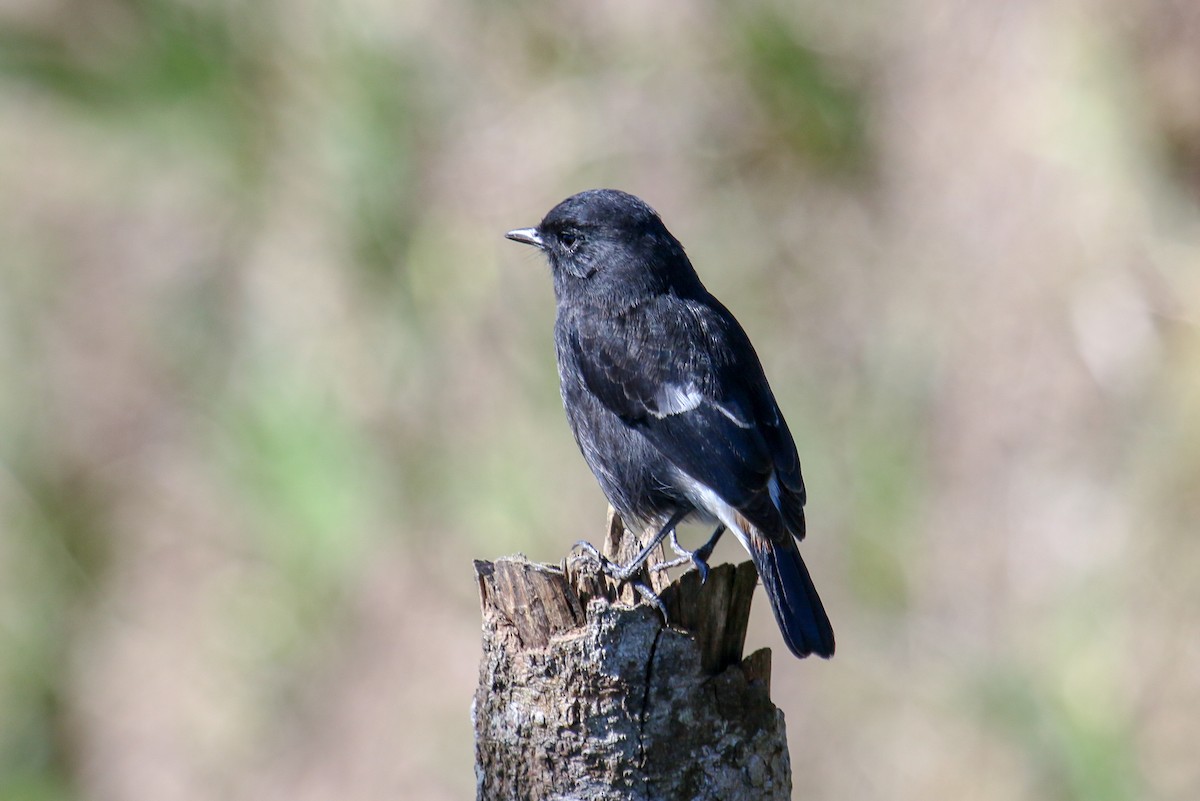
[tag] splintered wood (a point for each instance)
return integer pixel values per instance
(585, 695)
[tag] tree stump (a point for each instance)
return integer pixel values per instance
(583, 695)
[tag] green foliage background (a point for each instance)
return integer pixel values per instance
(270, 377)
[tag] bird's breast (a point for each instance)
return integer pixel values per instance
(635, 477)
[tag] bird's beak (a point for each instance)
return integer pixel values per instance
(529, 236)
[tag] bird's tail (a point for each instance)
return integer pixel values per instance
(794, 600)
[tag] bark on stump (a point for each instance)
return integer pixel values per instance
(584, 696)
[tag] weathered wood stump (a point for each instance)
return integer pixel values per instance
(585, 696)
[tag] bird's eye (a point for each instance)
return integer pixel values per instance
(569, 239)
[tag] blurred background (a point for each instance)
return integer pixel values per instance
(270, 376)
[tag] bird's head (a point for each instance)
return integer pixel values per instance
(609, 246)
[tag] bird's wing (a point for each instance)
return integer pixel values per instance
(684, 374)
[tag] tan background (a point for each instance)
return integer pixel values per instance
(270, 377)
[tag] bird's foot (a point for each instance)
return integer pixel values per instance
(650, 596)
(623, 574)
(608, 566)
(592, 551)
(697, 558)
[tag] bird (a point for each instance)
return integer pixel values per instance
(668, 401)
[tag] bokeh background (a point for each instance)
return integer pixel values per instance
(270, 377)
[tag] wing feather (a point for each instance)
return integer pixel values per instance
(684, 374)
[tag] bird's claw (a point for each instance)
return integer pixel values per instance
(651, 596)
(700, 559)
(697, 558)
(590, 550)
(606, 565)
(623, 573)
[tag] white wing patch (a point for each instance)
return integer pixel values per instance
(674, 399)
(734, 414)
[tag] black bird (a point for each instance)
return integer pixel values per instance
(668, 400)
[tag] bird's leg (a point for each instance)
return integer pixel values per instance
(684, 556)
(698, 557)
(612, 569)
(702, 553)
(625, 572)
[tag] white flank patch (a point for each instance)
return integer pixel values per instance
(707, 501)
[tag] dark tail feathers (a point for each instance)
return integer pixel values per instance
(794, 599)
